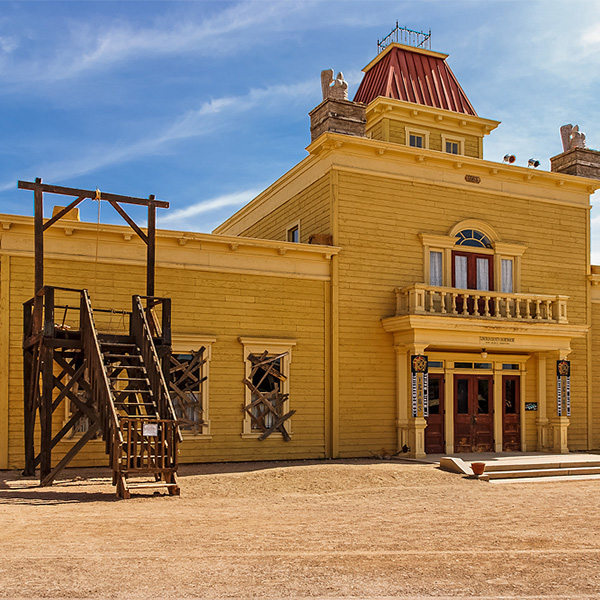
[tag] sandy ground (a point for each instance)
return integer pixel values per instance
(336, 529)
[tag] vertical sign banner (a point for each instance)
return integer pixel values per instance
(420, 385)
(563, 388)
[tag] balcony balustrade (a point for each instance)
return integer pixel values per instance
(421, 299)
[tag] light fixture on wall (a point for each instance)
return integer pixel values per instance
(484, 353)
(509, 158)
(533, 163)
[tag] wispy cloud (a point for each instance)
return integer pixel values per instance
(86, 48)
(194, 123)
(184, 218)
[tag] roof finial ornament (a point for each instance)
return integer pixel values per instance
(336, 89)
(572, 137)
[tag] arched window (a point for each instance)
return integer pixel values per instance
(474, 238)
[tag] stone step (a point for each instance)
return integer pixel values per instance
(533, 465)
(540, 472)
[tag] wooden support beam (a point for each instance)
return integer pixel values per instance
(129, 220)
(60, 214)
(49, 477)
(65, 191)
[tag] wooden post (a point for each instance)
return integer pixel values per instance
(46, 411)
(38, 228)
(151, 246)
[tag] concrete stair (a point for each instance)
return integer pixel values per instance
(519, 468)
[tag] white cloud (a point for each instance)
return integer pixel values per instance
(8, 43)
(194, 123)
(183, 218)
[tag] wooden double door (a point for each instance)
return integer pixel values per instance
(473, 413)
(473, 409)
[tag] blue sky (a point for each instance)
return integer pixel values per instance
(204, 104)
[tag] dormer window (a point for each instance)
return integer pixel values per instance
(452, 147)
(416, 141)
(416, 138)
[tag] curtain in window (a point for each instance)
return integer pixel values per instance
(435, 268)
(507, 276)
(460, 272)
(483, 274)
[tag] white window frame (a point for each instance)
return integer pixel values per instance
(420, 132)
(290, 228)
(275, 347)
(455, 140)
(184, 343)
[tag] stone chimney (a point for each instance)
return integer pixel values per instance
(336, 113)
(338, 116)
(576, 159)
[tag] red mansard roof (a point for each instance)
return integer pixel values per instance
(413, 75)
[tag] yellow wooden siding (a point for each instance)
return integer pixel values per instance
(225, 305)
(595, 374)
(379, 223)
(311, 208)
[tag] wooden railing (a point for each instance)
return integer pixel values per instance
(150, 446)
(142, 334)
(422, 299)
(98, 379)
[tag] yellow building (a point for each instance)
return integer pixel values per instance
(391, 246)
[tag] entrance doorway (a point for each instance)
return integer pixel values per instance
(434, 432)
(511, 413)
(473, 413)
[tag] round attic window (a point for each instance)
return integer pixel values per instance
(474, 238)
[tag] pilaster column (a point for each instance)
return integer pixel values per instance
(498, 407)
(558, 424)
(449, 408)
(410, 431)
(542, 417)
(522, 399)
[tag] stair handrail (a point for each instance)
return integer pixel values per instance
(142, 335)
(98, 377)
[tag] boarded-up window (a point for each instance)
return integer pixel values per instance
(187, 374)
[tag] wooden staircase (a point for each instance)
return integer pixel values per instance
(147, 438)
(121, 384)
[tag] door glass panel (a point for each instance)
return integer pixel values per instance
(483, 396)
(434, 396)
(462, 396)
(483, 274)
(510, 396)
(460, 272)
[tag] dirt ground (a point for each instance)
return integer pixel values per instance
(308, 529)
